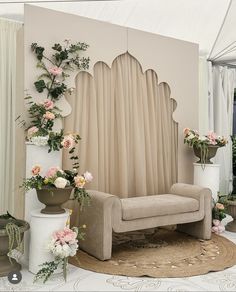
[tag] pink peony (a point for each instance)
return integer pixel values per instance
(88, 176)
(65, 236)
(55, 71)
(212, 137)
(49, 116)
(68, 142)
(36, 170)
(216, 222)
(79, 181)
(48, 104)
(52, 171)
(217, 227)
(32, 131)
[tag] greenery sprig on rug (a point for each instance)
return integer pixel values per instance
(62, 245)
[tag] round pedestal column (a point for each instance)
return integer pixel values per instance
(42, 227)
(208, 176)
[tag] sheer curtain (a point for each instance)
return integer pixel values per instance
(129, 139)
(222, 81)
(8, 96)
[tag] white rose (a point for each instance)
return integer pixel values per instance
(88, 176)
(60, 183)
(202, 138)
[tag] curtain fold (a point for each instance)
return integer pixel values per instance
(129, 138)
(8, 96)
(223, 85)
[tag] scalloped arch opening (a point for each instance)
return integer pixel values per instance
(129, 138)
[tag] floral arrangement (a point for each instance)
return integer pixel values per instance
(63, 244)
(65, 58)
(193, 139)
(218, 214)
(58, 178)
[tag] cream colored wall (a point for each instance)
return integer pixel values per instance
(175, 61)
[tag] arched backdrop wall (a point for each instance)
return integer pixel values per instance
(175, 61)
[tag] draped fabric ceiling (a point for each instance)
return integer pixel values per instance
(210, 23)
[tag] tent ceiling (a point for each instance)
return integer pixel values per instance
(198, 21)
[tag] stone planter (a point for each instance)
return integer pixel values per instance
(209, 154)
(53, 198)
(7, 266)
(231, 210)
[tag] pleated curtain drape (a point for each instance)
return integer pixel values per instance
(129, 138)
(8, 96)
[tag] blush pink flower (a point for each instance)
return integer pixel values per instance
(49, 116)
(65, 236)
(220, 206)
(32, 131)
(52, 171)
(212, 137)
(36, 170)
(186, 131)
(79, 181)
(48, 104)
(68, 142)
(55, 71)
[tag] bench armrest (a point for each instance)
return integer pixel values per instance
(192, 191)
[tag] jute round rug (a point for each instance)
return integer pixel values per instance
(163, 254)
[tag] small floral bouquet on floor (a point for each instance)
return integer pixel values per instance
(218, 214)
(63, 244)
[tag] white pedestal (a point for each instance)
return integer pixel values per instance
(37, 155)
(42, 227)
(208, 176)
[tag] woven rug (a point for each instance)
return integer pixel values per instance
(163, 253)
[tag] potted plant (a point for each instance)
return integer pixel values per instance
(231, 210)
(218, 214)
(204, 147)
(11, 236)
(55, 187)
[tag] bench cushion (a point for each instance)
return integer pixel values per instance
(157, 205)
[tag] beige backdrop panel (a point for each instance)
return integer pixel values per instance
(176, 62)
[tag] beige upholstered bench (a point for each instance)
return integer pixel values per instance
(188, 206)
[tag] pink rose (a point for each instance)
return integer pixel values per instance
(88, 176)
(32, 131)
(48, 104)
(49, 116)
(68, 142)
(79, 181)
(52, 171)
(218, 228)
(55, 70)
(186, 131)
(220, 206)
(36, 170)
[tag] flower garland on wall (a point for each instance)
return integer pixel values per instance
(64, 59)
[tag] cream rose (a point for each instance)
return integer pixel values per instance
(68, 142)
(49, 116)
(79, 181)
(36, 170)
(60, 183)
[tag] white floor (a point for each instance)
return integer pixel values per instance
(82, 280)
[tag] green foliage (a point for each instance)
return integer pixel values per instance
(217, 212)
(40, 85)
(48, 268)
(82, 196)
(14, 235)
(54, 141)
(65, 57)
(34, 182)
